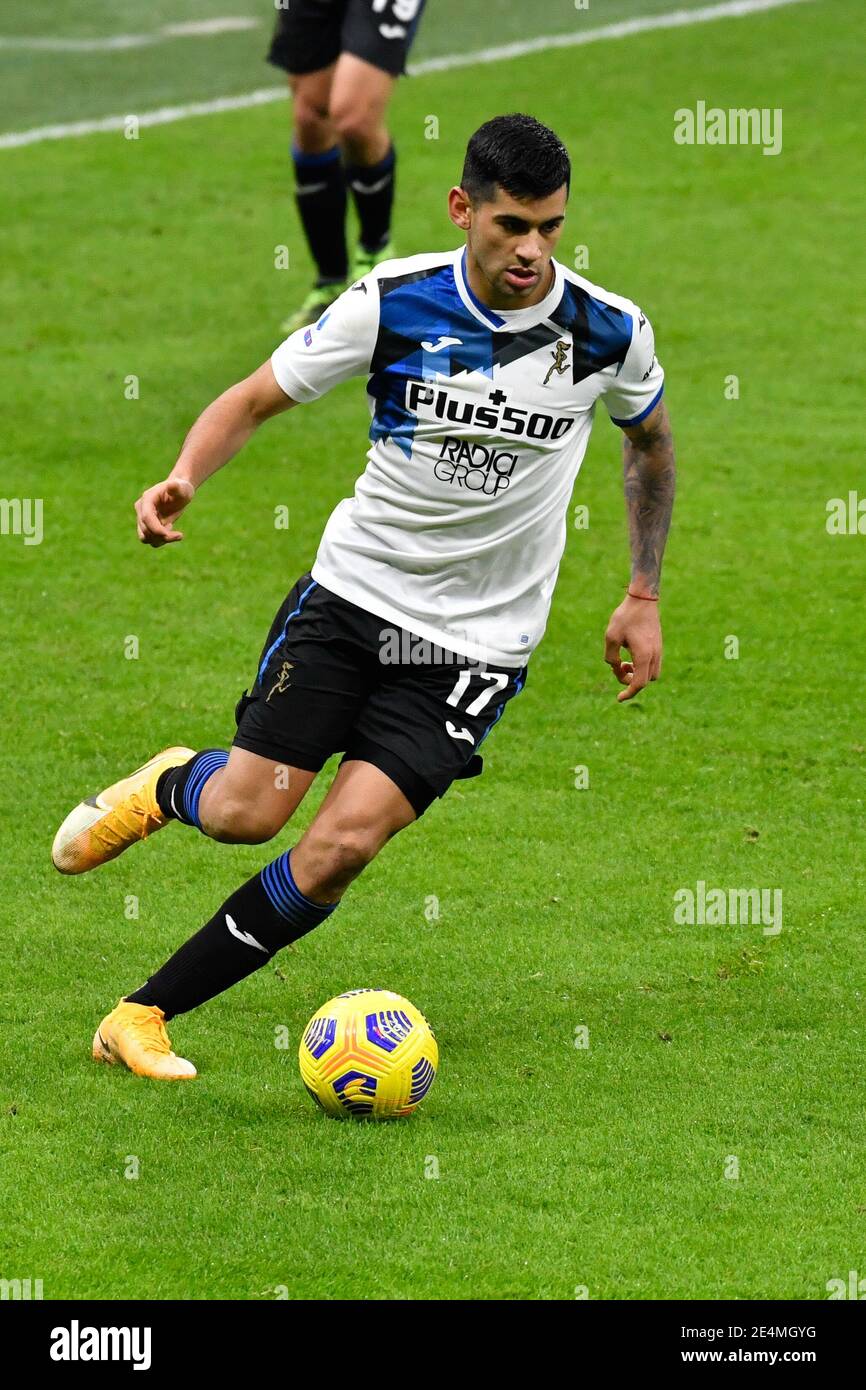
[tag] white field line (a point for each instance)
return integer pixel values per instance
(195, 28)
(674, 19)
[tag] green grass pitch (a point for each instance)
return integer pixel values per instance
(560, 1167)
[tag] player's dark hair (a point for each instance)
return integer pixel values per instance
(520, 154)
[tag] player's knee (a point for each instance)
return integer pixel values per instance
(339, 851)
(351, 849)
(241, 822)
(311, 127)
(356, 126)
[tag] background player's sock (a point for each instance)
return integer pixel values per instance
(179, 790)
(253, 924)
(372, 188)
(320, 193)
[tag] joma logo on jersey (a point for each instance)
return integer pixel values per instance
(463, 408)
(476, 467)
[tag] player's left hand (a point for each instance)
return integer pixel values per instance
(634, 625)
(159, 507)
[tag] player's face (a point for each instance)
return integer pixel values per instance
(509, 245)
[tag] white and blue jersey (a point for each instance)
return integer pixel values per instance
(480, 422)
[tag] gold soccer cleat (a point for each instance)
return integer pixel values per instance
(104, 826)
(134, 1034)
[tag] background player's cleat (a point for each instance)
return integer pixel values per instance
(134, 1034)
(104, 826)
(365, 260)
(320, 298)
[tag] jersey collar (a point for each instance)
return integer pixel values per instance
(506, 321)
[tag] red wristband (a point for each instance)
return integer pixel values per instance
(648, 598)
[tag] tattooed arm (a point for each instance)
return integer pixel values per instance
(649, 471)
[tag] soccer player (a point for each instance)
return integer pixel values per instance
(411, 634)
(343, 58)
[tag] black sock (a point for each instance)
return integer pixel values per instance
(264, 915)
(320, 193)
(372, 188)
(179, 790)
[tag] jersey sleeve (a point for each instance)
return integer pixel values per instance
(637, 387)
(338, 346)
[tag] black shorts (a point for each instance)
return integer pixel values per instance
(311, 34)
(335, 678)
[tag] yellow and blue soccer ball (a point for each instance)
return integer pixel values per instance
(368, 1053)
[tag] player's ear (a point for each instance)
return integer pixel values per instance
(459, 208)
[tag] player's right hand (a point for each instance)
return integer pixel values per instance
(158, 508)
(634, 625)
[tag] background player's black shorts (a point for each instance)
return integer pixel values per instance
(311, 34)
(334, 678)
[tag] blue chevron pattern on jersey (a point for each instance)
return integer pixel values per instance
(601, 333)
(424, 307)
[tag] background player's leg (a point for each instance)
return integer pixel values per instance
(362, 811)
(320, 184)
(359, 99)
(312, 129)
